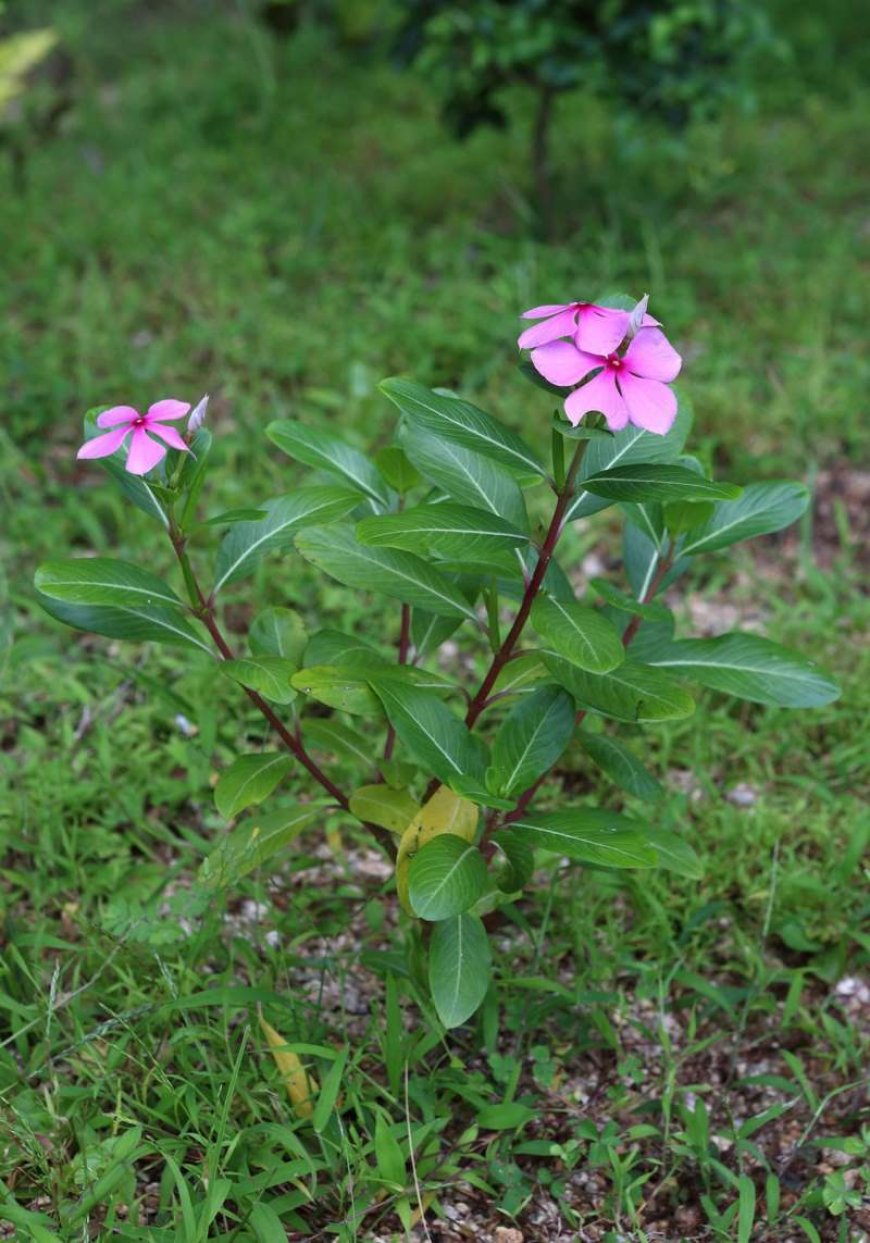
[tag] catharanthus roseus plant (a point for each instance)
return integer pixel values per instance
(457, 530)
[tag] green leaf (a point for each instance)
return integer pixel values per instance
(104, 581)
(445, 878)
(459, 968)
(389, 1158)
(324, 451)
(408, 578)
(763, 508)
(278, 632)
(584, 431)
(265, 1224)
(379, 804)
(531, 739)
(622, 449)
(138, 624)
(681, 516)
(454, 532)
(642, 557)
(631, 692)
(657, 481)
(268, 675)
(505, 1116)
(752, 668)
(466, 476)
(393, 464)
(429, 631)
(649, 517)
(582, 635)
(675, 854)
(249, 780)
(589, 835)
(246, 543)
(347, 687)
(514, 862)
(621, 765)
(231, 516)
(254, 842)
(627, 604)
(521, 675)
(334, 647)
(192, 475)
(431, 732)
(339, 739)
(458, 421)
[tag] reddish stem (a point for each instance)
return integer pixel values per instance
(404, 648)
(628, 634)
(504, 653)
(204, 609)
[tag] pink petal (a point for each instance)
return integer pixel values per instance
(651, 404)
(600, 394)
(118, 414)
(144, 452)
(103, 446)
(543, 312)
(562, 363)
(652, 356)
(601, 330)
(170, 435)
(561, 325)
(168, 409)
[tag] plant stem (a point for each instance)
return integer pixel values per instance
(204, 610)
(540, 153)
(628, 635)
(661, 573)
(404, 648)
(504, 653)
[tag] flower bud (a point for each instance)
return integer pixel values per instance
(197, 416)
(637, 316)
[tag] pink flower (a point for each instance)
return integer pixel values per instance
(598, 329)
(144, 452)
(632, 388)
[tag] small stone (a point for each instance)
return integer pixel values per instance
(853, 987)
(507, 1234)
(742, 795)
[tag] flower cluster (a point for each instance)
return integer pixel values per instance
(579, 343)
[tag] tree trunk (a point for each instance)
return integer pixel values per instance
(542, 184)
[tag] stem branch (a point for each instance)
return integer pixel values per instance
(628, 635)
(504, 653)
(204, 610)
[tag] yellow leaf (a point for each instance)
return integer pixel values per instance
(382, 805)
(18, 55)
(301, 1087)
(445, 812)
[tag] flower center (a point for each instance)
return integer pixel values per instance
(140, 421)
(614, 362)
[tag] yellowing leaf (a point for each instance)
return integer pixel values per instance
(301, 1087)
(445, 812)
(382, 805)
(18, 55)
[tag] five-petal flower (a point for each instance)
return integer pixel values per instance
(144, 452)
(631, 388)
(598, 329)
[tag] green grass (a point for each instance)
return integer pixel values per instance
(211, 218)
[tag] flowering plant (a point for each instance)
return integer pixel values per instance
(459, 522)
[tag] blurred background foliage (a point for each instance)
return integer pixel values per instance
(260, 199)
(257, 198)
